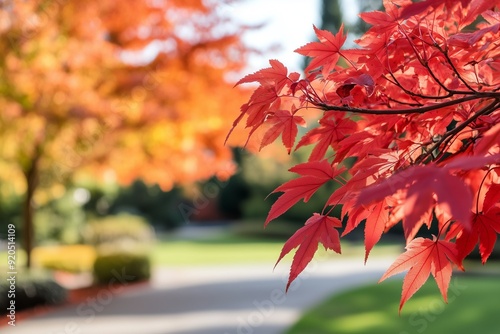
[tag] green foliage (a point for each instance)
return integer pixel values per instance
(32, 291)
(53, 226)
(123, 230)
(332, 15)
(121, 241)
(10, 210)
(158, 207)
(235, 192)
(59, 221)
(137, 267)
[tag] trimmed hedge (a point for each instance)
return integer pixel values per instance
(136, 267)
(32, 292)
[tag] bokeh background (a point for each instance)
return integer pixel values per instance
(114, 110)
(113, 156)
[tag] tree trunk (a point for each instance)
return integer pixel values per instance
(31, 176)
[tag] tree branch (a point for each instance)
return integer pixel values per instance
(446, 137)
(408, 111)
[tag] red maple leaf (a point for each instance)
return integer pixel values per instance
(314, 175)
(276, 75)
(345, 90)
(376, 220)
(476, 8)
(485, 227)
(317, 229)
(419, 7)
(421, 184)
(285, 124)
(423, 257)
(465, 40)
(364, 173)
(364, 80)
(381, 21)
(492, 196)
(263, 100)
(326, 52)
(330, 131)
(376, 217)
(489, 140)
(383, 24)
(472, 162)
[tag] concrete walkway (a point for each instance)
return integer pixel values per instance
(246, 299)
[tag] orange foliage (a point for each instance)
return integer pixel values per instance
(133, 87)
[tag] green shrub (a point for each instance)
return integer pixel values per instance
(32, 292)
(121, 230)
(158, 207)
(59, 221)
(136, 267)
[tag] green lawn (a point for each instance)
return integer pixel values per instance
(473, 304)
(218, 251)
(223, 250)
(229, 249)
(243, 250)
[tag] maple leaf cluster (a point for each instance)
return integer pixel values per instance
(416, 107)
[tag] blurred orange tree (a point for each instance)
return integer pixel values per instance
(123, 89)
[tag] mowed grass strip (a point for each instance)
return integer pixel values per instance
(189, 253)
(473, 304)
(218, 251)
(244, 250)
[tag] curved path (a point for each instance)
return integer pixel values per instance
(246, 299)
